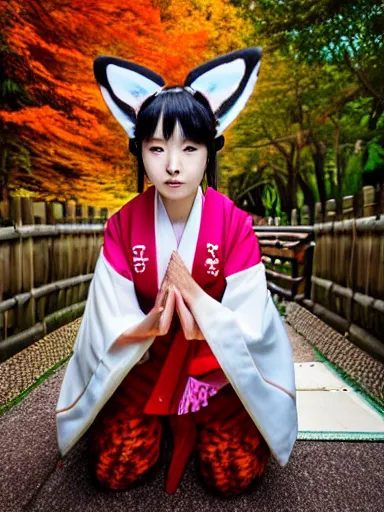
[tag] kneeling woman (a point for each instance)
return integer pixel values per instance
(180, 333)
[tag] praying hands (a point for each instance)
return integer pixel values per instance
(178, 290)
(186, 292)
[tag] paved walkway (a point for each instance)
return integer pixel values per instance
(320, 477)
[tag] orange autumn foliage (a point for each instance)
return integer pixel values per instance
(77, 149)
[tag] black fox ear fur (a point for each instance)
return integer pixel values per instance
(227, 82)
(124, 86)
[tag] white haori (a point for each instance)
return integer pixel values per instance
(97, 367)
(245, 333)
(248, 338)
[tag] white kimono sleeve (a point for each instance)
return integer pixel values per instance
(97, 367)
(249, 340)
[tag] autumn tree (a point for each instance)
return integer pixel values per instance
(52, 103)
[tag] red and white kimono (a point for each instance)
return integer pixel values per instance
(246, 350)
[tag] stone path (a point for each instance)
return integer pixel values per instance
(320, 477)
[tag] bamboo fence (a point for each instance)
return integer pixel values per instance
(48, 252)
(348, 280)
(335, 268)
(347, 275)
(287, 252)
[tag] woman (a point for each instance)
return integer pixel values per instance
(179, 329)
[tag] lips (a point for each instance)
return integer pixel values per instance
(174, 184)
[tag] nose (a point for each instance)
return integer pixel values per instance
(172, 172)
(173, 167)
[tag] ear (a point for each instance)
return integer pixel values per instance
(124, 86)
(227, 82)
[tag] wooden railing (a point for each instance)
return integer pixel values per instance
(348, 280)
(25, 211)
(344, 285)
(287, 253)
(366, 203)
(335, 269)
(48, 253)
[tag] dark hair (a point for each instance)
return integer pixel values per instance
(196, 119)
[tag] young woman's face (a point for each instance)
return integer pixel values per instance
(176, 166)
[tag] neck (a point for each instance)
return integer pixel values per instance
(178, 211)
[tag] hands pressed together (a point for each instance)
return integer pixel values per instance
(178, 290)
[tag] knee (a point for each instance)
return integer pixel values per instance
(121, 456)
(229, 465)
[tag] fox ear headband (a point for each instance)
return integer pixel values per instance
(226, 81)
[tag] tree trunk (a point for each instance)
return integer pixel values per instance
(318, 155)
(309, 198)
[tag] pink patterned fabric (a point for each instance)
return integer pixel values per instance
(197, 392)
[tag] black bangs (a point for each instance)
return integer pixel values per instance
(192, 112)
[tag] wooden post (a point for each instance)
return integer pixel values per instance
(368, 201)
(27, 313)
(358, 203)
(4, 212)
(330, 210)
(294, 217)
(55, 213)
(16, 265)
(70, 212)
(380, 200)
(39, 213)
(96, 215)
(15, 210)
(318, 213)
(43, 265)
(104, 214)
(26, 206)
(305, 215)
(347, 208)
(81, 213)
(92, 214)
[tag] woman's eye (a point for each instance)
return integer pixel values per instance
(156, 149)
(190, 149)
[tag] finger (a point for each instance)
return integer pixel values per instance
(172, 275)
(172, 265)
(167, 315)
(179, 309)
(162, 294)
(185, 316)
(147, 326)
(177, 259)
(177, 270)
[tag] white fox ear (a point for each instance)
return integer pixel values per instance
(124, 86)
(227, 82)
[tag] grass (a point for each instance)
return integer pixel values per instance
(25, 392)
(374, 401)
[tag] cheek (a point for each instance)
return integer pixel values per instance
(201, 164)
(151, 165)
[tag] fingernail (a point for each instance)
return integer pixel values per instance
(161, 310)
